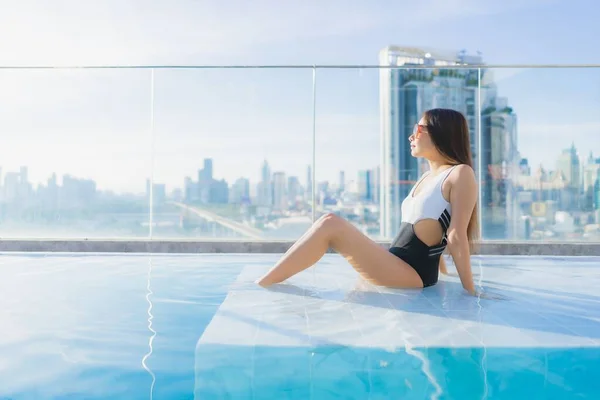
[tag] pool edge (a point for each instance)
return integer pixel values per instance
(266, 247)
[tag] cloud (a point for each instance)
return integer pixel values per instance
(106, 106)
(121, 32)
(71, 32)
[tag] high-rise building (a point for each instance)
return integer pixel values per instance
(219, 192)
(568, 165)
(159, 194)
(11, 187)
(500, 163)
(280, 201)
(365, 185)
(208, 169)
(404, 95)
(190, 190)
(591, 173)
(342, 182)
(24, 174)
(52, 190)
(265, 172)
(375, 187)
(265, 186)
(77, 193)
(25, 188)
(205, 181)
(293, 188)
(240, 191)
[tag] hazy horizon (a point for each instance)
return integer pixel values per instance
(96, 123)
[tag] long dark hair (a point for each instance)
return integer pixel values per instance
(449, 133)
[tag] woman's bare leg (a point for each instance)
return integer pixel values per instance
(307, 250)
(373, 262)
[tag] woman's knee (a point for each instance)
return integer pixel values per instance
(330, 222)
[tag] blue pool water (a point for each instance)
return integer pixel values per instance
(196, 327)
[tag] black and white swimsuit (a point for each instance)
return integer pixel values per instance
(429, 203)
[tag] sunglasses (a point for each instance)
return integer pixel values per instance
(418, 128)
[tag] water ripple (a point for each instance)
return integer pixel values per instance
(153, 332)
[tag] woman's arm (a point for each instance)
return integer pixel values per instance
(463, 197)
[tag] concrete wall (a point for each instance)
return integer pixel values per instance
(191, 246)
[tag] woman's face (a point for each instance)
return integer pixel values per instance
(420, 141)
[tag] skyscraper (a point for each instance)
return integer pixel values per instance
(240, 191)
(293, 188)
(190, 192)
(279, 191)
(568, 165)
(375, 187)
(365, 185)
(265, 186)
(219, 192)
(205, 180)
(500, 163)
(208, 169)
(591, 173)
(404, 95)
(342, 182)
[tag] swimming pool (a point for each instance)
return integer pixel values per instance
(196, 327)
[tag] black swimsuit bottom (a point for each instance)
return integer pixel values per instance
(423, 258)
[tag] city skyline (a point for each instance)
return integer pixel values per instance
(40, 176)
(563, 202)
(54, 133)
(350, 176)
(239, 117)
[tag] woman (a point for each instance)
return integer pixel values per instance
(439, 212)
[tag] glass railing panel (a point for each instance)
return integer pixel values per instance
(75, 153)
(348, 146)
(232, 151)
(541, 164)
(405, 94)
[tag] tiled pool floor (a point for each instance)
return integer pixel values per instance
(196, 326)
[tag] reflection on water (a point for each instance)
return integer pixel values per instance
(479, 279)
(152, 331)
(78, 326)
(426, 369)
(414, 373)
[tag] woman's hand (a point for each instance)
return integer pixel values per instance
(483, 295)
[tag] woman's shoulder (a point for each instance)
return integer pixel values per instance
(464, 170)
(462, 174)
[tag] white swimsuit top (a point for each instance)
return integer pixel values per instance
(429, 203)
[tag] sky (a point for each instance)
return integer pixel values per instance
(116, 126)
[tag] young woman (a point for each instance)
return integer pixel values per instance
(439, 212)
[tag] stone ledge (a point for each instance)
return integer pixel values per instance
(222, 246)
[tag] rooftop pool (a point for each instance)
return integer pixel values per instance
(139, 326)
